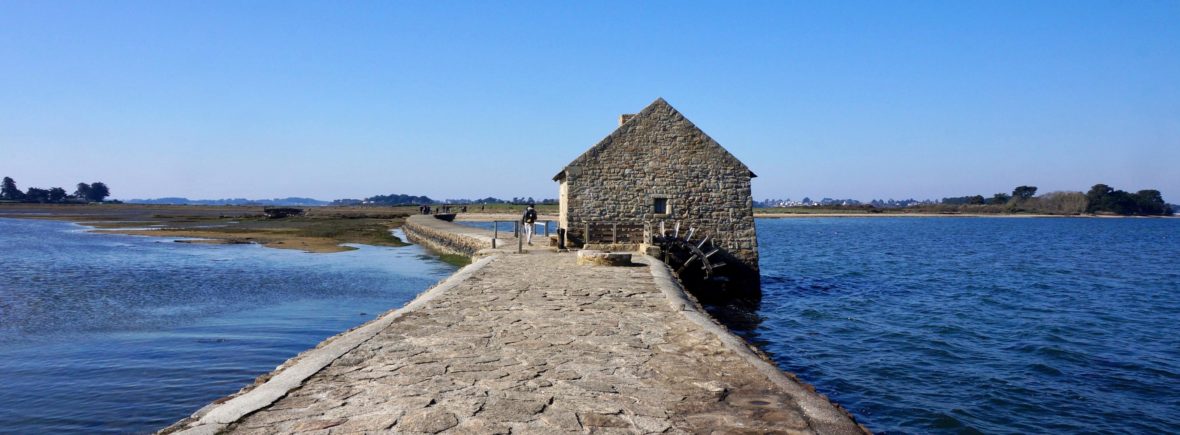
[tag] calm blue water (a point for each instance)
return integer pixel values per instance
(117, 334)
(961, 325)
(506, 227)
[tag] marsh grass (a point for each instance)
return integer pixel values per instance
(456, 260)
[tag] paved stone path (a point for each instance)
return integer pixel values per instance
(533, 343)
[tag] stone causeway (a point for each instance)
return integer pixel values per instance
(531, 343)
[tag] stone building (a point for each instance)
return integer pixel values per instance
(658, 167)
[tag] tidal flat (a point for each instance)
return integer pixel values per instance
(320, 229)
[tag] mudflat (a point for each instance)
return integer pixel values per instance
(320, 229)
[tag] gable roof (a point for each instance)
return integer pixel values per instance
(664, 112)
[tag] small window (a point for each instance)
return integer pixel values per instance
(660, 205)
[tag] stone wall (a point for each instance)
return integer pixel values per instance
(443, 241)
(660, 154)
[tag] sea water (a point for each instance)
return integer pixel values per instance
(916, 325)
(979, 325)
(126, 334)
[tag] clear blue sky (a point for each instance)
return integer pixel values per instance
(464, 99)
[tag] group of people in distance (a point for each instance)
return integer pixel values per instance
(426, 209)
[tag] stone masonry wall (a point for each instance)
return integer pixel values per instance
(659, 153)
(443, 241)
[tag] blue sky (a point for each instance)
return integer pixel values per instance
(465, 99)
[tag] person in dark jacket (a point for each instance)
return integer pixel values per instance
(529, 220)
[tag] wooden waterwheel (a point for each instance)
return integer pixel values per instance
(691, 259)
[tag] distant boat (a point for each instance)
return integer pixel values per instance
(449, 217)
(281, 212)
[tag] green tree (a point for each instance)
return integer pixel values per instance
(82, 191)
(57, 194)
(1000, 198)
(37, 195)
(1103, 198)
(1121, 202)
(1150, 202)
(975, 200)
(1097, 197)
(98, 191)
(9, 191)
(1022, 193)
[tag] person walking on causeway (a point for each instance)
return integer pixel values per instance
(529, 220)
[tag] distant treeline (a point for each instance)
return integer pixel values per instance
(83, 192)
(1101, 199)
(385, 200)
(401, 199)
(391, 199)
(231, 201)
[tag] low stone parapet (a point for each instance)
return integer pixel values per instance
(446, 237)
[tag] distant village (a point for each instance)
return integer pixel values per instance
(829, 202)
